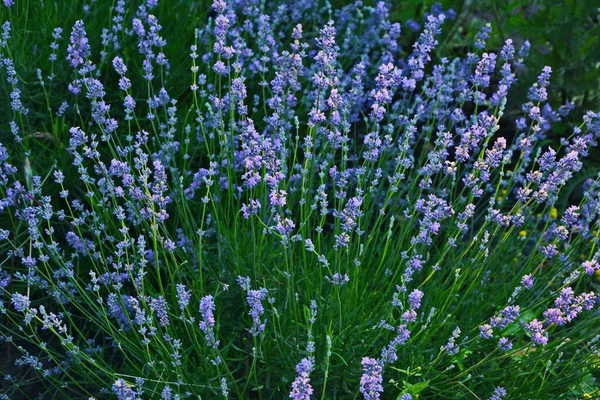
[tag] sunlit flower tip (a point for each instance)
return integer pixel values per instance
(527, 281)
(499, 393)
(553, 213)
(591, 267)
(523, 234)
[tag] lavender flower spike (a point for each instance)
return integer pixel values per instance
(301, 387)
(207, 308)
(371, 381)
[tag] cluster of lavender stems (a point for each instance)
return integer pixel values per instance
(309, 158)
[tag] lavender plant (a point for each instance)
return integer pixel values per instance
(304, 206)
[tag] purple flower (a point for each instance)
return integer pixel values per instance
(255, 299)
(538, 335)
(527, 281)
(123, 391)
(498, 394)
(508, 50)
(338, 279)
(207, 308)
(505, 317)
(423, 47)
(538, 91)
(285, 226)
(590, 266)
(78, 49)
(183, 296)
(166, 393)
(414, 299)
(505, 344)
(371, 381)
(278, 197)
(388, 353)
(119, 66)
(549, 251)
(4, 38)
(161, 308)
(483, 35)
(485, 331)
(220, 68)
(451, 347)
(486, 65)
(568, 306)
(20, 302)
(301, 387)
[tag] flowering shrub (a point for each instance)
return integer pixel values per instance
(304, 207)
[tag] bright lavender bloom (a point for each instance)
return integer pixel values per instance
(434, 210)
(148, 69)
(5, 36)
(483, 35)
(166, 393)
(161, 308)
(285, 226)
(590, 266)
(301, 387)
(538, 335)
(8, 3)
(371, 381)
(568, 306)
(549, 251)
(207, 308)
(414, 299)
(15, 102)
(508, 50)
(423, 47)
(278, 197)
(451, 347)
(219, 6)
(527, 281)
(56, 35)
(122, 390)
(486, 65)
(338, 279)
(20, 302)
(388, 353)
(79, 48)
(538, 91)
(350, 214)
(255, 299)
(244, 282)
(129, 104)
(523, 52)
(224, 388)
(505, 317)
(505, 344)
(183, 296)
(124, 84)
(498, 394)
(119, 66)
(486, 331)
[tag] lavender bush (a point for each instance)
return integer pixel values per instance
(303, 205)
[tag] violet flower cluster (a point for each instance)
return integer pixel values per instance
(220, 172)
